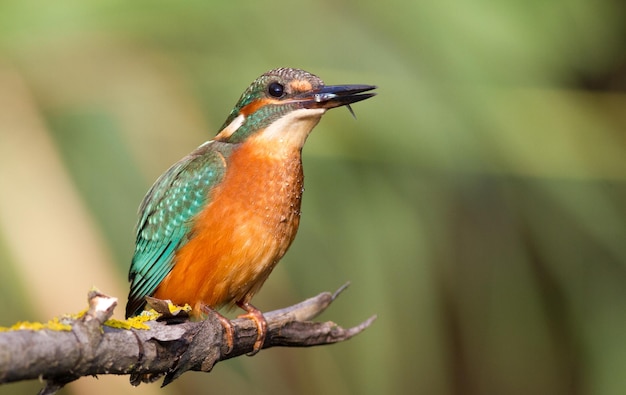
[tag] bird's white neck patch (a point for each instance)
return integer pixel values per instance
(231, 128)
(291, 130)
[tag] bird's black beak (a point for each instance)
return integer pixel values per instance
(335, 96)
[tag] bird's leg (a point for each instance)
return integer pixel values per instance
(229, 332)
(261, 324)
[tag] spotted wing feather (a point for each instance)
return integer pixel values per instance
(166, 218)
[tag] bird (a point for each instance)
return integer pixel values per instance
(214, 225)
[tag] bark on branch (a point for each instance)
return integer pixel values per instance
(91, 344)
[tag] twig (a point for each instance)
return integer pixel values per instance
(90, 343)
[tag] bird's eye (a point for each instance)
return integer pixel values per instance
(275, 89)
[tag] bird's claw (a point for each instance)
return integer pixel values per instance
(228, 332)
(261, 325)
(226, 324)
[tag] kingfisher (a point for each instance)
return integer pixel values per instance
(215, 224)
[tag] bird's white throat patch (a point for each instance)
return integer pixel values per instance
(291, 130)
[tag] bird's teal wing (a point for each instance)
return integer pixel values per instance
(166, 218)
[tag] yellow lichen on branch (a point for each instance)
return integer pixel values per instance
(54, 324)
(162, 309)
(137, 322)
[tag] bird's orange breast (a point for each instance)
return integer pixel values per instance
(250, 221)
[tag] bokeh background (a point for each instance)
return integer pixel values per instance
(477, 204)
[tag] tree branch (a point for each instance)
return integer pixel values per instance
(90, 343)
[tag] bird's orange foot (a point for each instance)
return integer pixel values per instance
(261, 325)
(226, 324)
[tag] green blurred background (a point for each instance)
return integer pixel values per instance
(477, 204)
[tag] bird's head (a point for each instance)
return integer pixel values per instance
(284, 105)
